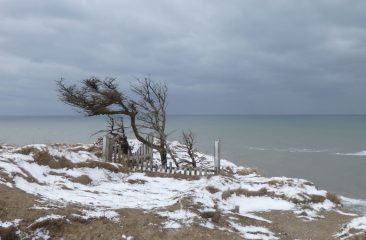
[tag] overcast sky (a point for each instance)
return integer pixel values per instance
(217, 57)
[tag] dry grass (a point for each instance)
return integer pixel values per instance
(333, 198)
(5, 176)
(212, 189)
(308, 183)
(94, 149)
(275, 183)
(26, 150)
(213, 215)
(361, 236)
(247, 171)
(44, 158)
(317, 198)
(28, 177)
(240, 191)
(97, 164)
(50, 224)
(83, 179)
(8, 233)
(136, 181)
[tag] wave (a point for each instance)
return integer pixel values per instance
(291, 150)
(362, 153)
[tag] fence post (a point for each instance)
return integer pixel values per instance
(107, 148)
(114, 149)
(217, 156)
(150, 139)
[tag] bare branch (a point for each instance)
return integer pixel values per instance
(101, 97)
(189, 142)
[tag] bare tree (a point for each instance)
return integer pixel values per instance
(147, 112)
(189, 141)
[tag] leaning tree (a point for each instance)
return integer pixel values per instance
(147, 110)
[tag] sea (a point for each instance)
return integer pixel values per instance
(329, 150)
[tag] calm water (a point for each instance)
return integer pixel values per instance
(324, 149)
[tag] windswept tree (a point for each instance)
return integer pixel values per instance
(147, 110)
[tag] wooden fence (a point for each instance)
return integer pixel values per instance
(112, 151)
(142, 159)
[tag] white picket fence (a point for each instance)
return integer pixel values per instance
(142, 159)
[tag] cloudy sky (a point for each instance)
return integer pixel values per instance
(229, 57)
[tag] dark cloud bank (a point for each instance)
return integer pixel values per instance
(230, 57)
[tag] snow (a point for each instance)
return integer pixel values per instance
(49, 217)
(109, 214)
(80, 156)
(355, 227)
(7, 224)
(208, 225)
(255, 204)
(126, 237)
(41, 233)
(178, 218)
(109, 191)
(253, 232)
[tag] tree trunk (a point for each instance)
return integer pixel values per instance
(163, 157)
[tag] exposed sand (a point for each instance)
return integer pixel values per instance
(145, 225)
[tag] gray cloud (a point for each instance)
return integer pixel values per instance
(215, 56)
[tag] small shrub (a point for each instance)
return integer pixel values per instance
(136, 181)
(83, 179)
(26, 150)
(261, 192)
(275, 183)
(212, 189)
(9, 233)
(246, 171)
(317, 198)
(333, 198)
(226, 194)
(213, 215)
(44, 158)
(65, 163)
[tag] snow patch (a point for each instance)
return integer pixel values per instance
(7, 224)
(177, 218)
(253, 232)
(356, 227)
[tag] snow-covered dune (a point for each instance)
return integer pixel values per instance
(59, 174)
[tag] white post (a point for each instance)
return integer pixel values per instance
(217, 156)
(107, 149)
